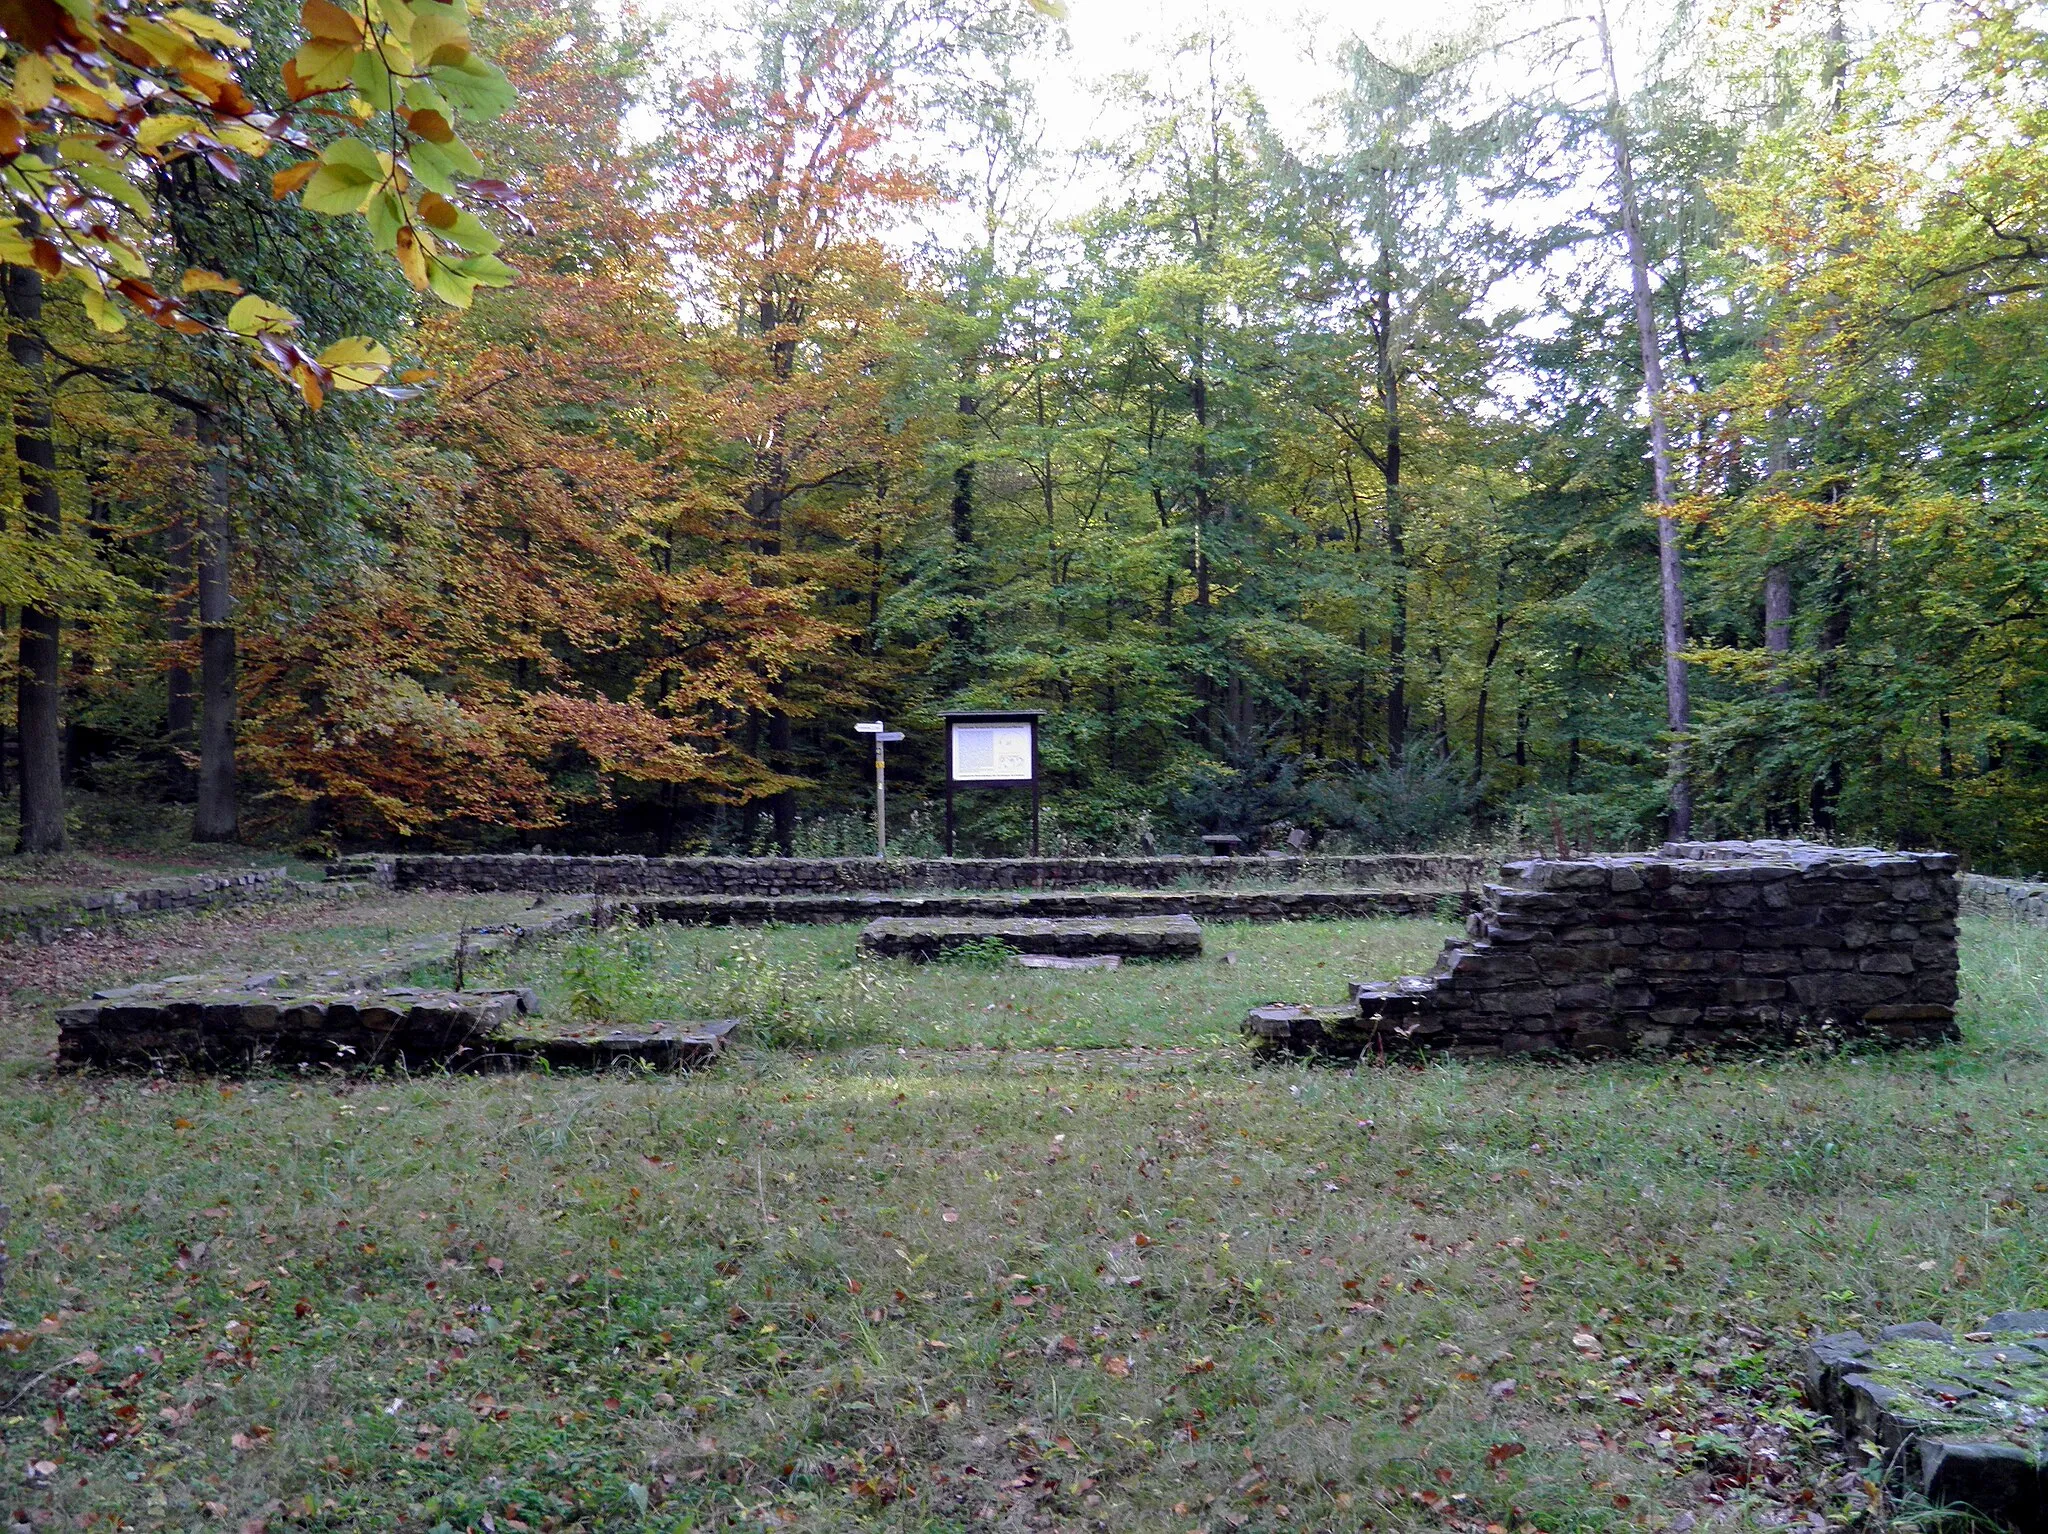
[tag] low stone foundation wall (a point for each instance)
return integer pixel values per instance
(1129, 937)
(47, 922)
(370, 1017)
(1961, 1421)
(2016, 899)
(835, 876)
(354, 1031)
(1702, 944)
(362, 1030)
(1210, 905)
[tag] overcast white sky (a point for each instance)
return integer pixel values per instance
(1283, 49)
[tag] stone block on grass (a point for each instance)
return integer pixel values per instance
(1961, 1421)
(661, 1046)
(353, 1030)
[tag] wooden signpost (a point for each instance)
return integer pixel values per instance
(883, 737)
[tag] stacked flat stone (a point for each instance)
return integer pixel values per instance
(832, 876)
(1702, 944)
(1131, 937)
(661, 1046)
(49, 920)
(353, 1030)
(1213, 905)
(1961, 1421)
(2019, 900)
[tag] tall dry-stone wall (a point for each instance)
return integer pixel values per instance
(831, 876)
(1702, 944)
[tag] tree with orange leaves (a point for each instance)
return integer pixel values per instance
(554, 622)
(784, 184)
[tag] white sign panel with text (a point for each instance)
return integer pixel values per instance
(991, 753)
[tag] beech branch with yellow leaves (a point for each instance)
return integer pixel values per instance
(98, 97)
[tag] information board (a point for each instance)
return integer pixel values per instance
(995, 750)
(992, 753)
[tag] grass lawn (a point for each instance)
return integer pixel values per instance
(972, 1247)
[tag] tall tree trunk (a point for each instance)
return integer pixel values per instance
(99, 517)
(39, 701)
(750, 811)
(779, 317)
(179, 713)
(1521, 725)
(962, 628)
(1239, 725)
(1500, 628)
(1387, 380)
(1670, 569)
(1198, 394)
(1443, 703)
(784, 802)
(214, 818)
(1778, 611)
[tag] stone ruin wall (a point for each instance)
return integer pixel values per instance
(828, 876)
(1702, 944)
(351, 1031)
(48, 921)
(2021, 900)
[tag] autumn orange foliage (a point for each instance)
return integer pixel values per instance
(643, 510)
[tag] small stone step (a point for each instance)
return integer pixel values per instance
(1142, 937)
(1061, 961)
(663, 1046)
(1302, 1030)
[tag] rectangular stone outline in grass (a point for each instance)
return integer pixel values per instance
(368, 1020)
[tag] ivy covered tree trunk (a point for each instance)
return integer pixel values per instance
(39, 724)
(214, 818)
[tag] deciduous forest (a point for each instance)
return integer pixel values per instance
(1579, 427)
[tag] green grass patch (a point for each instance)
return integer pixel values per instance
(809, 987)
(1046, 1252)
